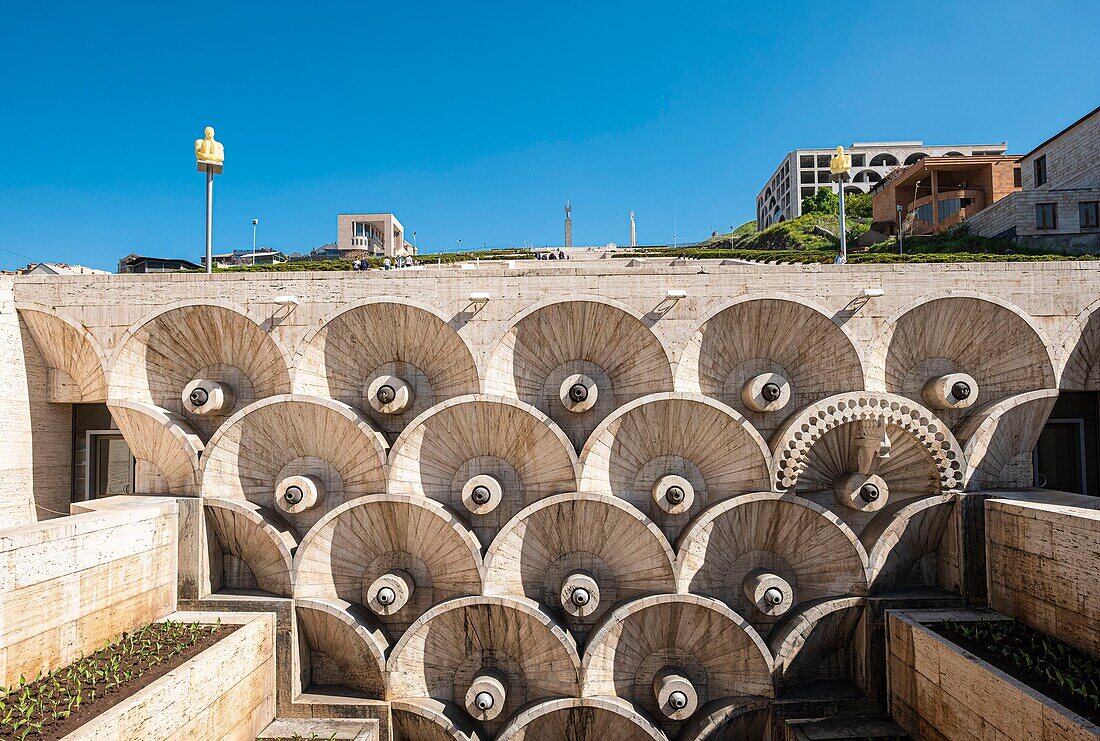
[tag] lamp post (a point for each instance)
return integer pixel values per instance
(839, 166)
(901, 224)
(209, 158)
(255, 222)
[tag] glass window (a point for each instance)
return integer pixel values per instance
(806, 160)
(1017, 178)
(858, 160)
(924, 213)
(807, 176)
(823, 160)
(949, 207)
(1046, 216)
(1041, 171)
(1090, 214)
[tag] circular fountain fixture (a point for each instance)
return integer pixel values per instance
(673, 494)
(580, 595)
(299, 493)
(578, 393)
(767, 392)
(676, 695)
(389, 593)
(951, 391)
(205, 397)
(482, 494)
(487, 695)
(770, 593)
(862, 492)
(388, 394)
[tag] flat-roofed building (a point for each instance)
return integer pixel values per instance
(379, 235)
(1058, 206)
(805, 171)
(942, 191)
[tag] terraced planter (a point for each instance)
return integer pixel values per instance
(940, 690)
(225, 692)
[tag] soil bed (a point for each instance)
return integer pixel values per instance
(1043, 663)
(56, 704)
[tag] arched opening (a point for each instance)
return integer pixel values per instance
(884, 160)
(915, 157)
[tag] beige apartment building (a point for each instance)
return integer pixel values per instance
(379, 235)
(590, 500)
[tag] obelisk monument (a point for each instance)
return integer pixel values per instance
(568, 225)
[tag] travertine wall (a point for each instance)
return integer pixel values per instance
(226, 693)
(1044, 568)
(938, 692)
(69, 584)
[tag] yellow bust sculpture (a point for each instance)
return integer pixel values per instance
(841, 163)
(208, 150)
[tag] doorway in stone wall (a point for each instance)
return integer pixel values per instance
(103, 465)
(1065, 457)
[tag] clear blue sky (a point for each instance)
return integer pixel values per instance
(476, 121)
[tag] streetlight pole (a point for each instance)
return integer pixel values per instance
(255, 222)
(901, 225)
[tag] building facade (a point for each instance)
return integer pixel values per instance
(939, 192)
(1059, 203)
(805, 171)
(380, 235)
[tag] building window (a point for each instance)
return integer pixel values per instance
(1046, 216)
(1017, 178)
(1041, 171)
(924, 213)
(806, 160)
(1090, 214)
(807, 192)
(807, 176)
(823, 160)
(858, 160)
(824, 176)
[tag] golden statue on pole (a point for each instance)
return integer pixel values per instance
(209, 150)
(840, 164)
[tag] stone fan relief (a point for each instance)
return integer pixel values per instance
(281, 436)
(366, 538)
(70, 351)
(964, 334)
(165, 446)
(769, 335)
(597, 535)
(577, 719)
(160, 357)
(515, 444)
(339, 648)
(689, 436)
(254, 547)
(605, 343)
(386, 337)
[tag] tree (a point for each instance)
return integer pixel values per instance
(825, 201)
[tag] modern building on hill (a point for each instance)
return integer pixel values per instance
(1058, 205)
(380, 235)
(805, 171)
(942, 191)
(248, 257)
(134, 263)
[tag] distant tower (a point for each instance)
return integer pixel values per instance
(633, 231)
(568, 225)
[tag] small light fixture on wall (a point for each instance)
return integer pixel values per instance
(675, 294)
(287, 300)
(479, 297)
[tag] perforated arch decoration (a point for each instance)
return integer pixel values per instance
(442, 450)
(71, 352)
(441, 653)
(336, 629)
(600, 536)
(605, 340)
(581, 719)
(364, 539)
(386, 336)
(695, 438)
(811, 549)
(293, 435)
(799, 434)
(773, 333)
(961, 332)
(165, 442)
(697, 638)
(215, 340)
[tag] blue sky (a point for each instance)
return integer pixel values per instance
(476, 121)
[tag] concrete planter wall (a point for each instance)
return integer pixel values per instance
(71, 583)
(226, 692)
(941, 691)
(1043, 569)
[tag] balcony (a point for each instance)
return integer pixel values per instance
(953, 205)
